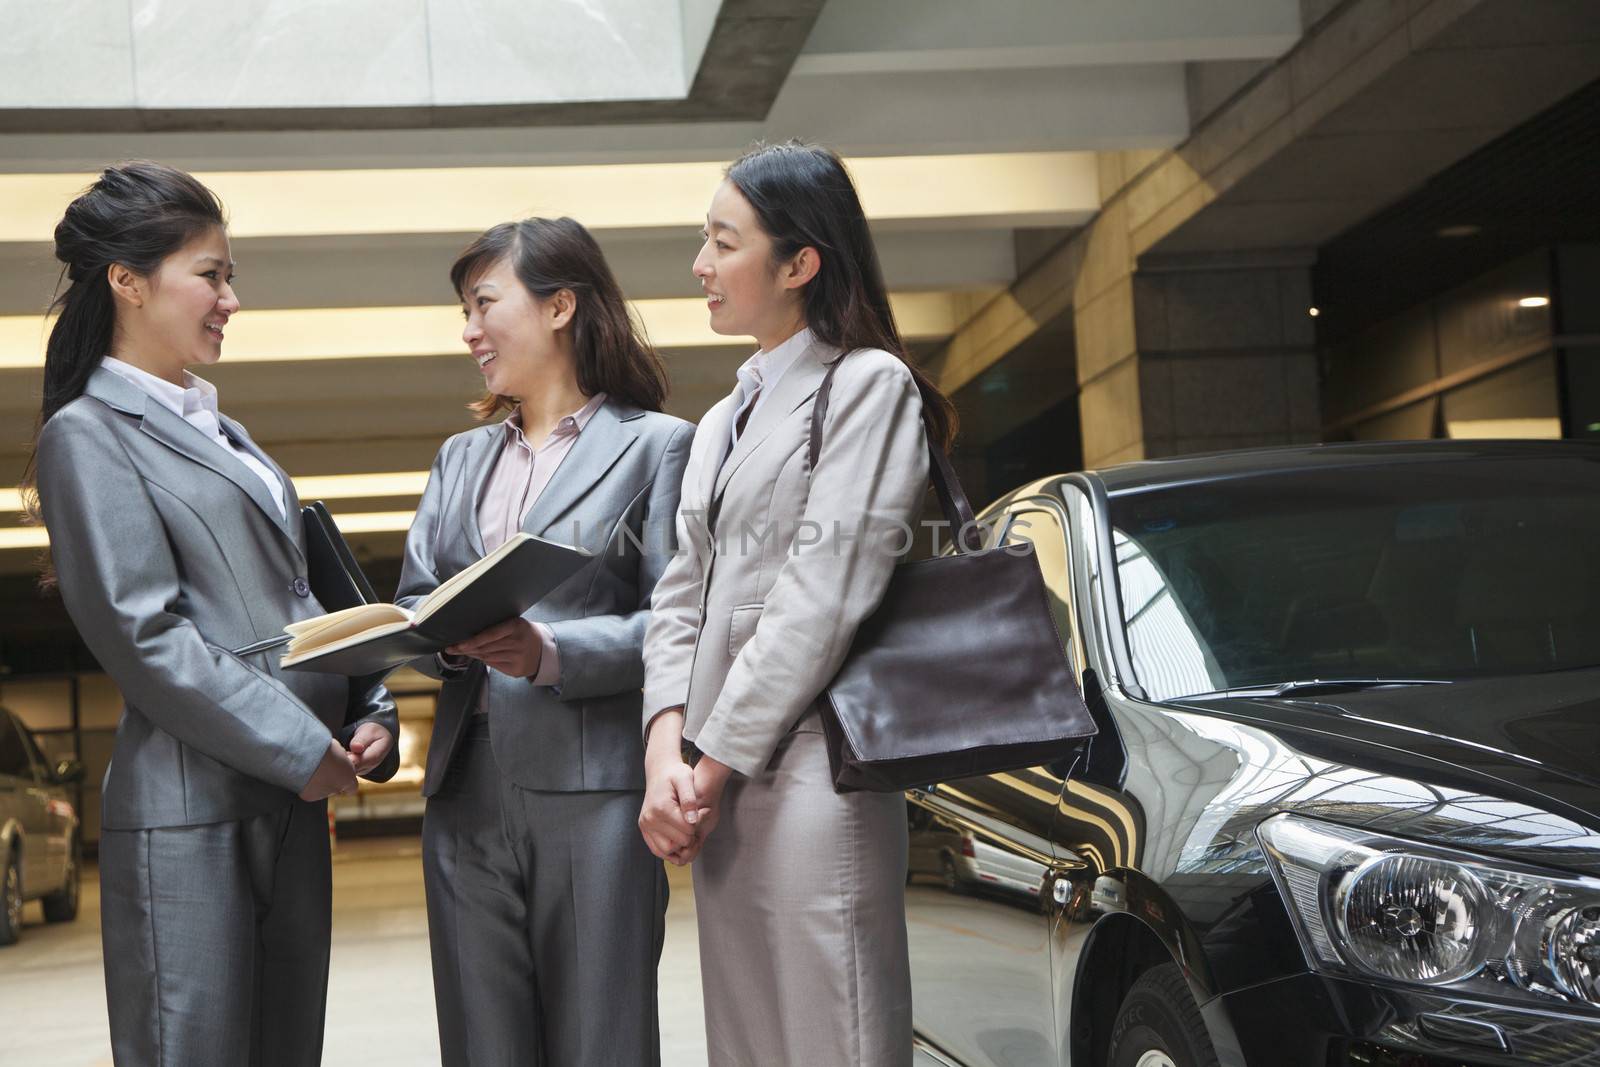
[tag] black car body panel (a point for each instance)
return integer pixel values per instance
(1220, 466)
(1544, 759)
(1147, 849)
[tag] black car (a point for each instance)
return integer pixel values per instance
(39, 843)
(1344, 804)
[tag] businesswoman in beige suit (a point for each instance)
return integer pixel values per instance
(799, 890)
(545, 910)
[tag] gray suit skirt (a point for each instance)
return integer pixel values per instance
(800, 894)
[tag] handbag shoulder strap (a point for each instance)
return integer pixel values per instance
(953, 500)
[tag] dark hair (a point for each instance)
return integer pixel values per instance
(550, 255)
(803, 196)
(136, 214)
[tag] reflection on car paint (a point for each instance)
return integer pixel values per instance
(1507, 768)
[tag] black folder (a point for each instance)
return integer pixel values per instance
(335, 577)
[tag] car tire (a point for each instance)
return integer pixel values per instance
(948, 873)
(62, 905)
(1159, 1024)
(10, 899)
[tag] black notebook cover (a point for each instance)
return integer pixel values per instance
(516, 583)
(335, 576)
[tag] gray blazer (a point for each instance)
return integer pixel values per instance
(169, 552)
(746, 630)
(614, 494)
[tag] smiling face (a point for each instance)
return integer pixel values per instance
(178, 316)
(747, 293)
(512, 334)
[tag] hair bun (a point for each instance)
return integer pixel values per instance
(79, 235)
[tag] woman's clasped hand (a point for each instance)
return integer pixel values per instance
(681, 802)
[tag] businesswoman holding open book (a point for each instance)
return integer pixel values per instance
(798, 890)
(545, 910)
(174, 538)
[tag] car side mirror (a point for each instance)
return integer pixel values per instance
(69, 771)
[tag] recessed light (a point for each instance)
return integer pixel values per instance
(1468, 229)
(1313, 311)
(1534, 302)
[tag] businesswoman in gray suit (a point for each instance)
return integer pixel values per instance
(798, 890)
(545, 910)
(174, 538)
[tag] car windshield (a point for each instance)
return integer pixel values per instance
(1415, 570)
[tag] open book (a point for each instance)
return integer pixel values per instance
(373, 637)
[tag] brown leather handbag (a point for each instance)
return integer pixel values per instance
(960, 671)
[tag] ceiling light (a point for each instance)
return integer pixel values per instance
(1462, 230)
(313, 487)
(23, 537)
(1532, 428)
(1022, 188)
(354, 486)
(1534, 302)
(360, 522)
(1313, 311)
(283, 334)
(374, 522)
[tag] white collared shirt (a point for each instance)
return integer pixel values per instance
(195, 402)
(759, 376)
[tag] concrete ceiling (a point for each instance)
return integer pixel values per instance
(927, 87)
(1323, 140)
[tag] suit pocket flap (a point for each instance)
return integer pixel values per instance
(742, 626)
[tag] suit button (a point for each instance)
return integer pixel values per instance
(300, 586)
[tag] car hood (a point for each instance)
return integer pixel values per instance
(1539, 735)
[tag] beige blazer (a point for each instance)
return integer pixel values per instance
(746, 631)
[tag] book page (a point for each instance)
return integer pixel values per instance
(307, 626)
(317, 634)
(456, 582)
(324, 642)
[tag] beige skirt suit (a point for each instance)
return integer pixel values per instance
(799, 891)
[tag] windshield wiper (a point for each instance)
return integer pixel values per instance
(1314, 685)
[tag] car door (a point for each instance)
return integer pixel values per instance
(1099, 821)
(60, 816)
(980, 939)
(22, 798)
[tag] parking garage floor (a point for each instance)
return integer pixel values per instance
(380, 993)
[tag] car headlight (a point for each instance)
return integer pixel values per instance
(1408, 912)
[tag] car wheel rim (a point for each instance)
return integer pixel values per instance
(1155, 1058)
(13, 899)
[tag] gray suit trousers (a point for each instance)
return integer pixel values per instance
(546, 915)
(237, 916)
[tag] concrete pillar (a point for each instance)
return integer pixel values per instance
(1193, 353)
